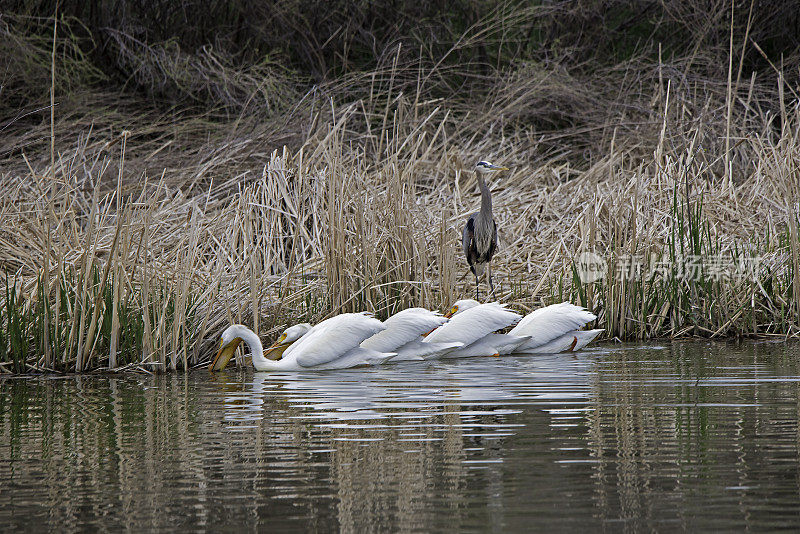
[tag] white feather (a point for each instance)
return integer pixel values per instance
(356, 357)
(507, 343)
(585, 337)
(571, 341)
(551, 322)
(482, 347)
(332, 338)
(419, 350)
(488, 345)
(470, 325)
(403, 328)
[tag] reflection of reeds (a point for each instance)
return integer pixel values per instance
(660, 445)
(133, 235)
(663, 433)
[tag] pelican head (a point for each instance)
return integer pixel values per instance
(289, 336)
(462, 305)
(228, 342)
(485, 167)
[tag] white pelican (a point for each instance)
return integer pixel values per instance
(403, 335)
(548, 330)
(289, 336)
(332, 344)
(471, 322)
(555, 328)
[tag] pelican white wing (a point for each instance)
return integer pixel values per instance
(471, 325)
(419, 350)
(356, 357)
(569, 342)
(403, 328)
(551, 322)
(332, 338)
(584, 337)
(507, 343)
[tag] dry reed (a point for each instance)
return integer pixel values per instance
(142, 234)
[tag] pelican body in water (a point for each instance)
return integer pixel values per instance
(468, 329)
(331, 344)
(404, 335)
(555, 328)
(473, 324)
(479, 237)
(548, 330)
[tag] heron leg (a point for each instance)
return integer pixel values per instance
(477, 291)
(489, 276)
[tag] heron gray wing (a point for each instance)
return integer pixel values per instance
(493, 244)
(468, 240)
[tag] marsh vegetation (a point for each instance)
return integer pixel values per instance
(167, 172)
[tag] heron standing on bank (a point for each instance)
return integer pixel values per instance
(480, 233)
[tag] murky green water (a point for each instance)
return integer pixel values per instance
(684, 436)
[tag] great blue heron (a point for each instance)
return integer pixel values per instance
(479, 238)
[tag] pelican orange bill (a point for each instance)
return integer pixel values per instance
(224, 355)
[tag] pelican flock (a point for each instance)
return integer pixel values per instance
(358, 339)
(468, 329)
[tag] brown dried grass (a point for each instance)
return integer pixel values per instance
(353, 197)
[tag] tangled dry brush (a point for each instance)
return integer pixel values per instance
(182, 188)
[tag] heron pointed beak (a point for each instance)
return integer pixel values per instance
(498, 168)
(224, 355)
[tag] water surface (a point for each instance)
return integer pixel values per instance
(673, 437)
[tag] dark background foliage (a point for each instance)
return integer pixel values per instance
(320, 40)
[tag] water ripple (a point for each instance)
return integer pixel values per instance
(681, 436)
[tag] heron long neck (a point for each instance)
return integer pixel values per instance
(256, 350)
(486, 197)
